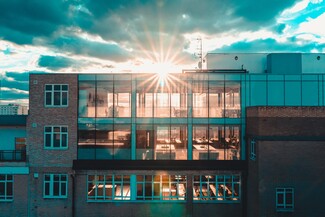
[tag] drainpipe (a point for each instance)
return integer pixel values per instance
(73, 194)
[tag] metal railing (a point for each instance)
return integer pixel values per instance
(12, 155)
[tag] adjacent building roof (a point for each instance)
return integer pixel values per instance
(13, 120)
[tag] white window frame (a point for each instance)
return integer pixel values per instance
(172, 189)
(52, 93)
(253, 149)
(52, 134)
(8, 178)
(285, 206)
(207, 183)
(51, 184)
(108, 183)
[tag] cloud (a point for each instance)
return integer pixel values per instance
(18, 77)
(24, 20)
(270, 45)
(14, 86)
(55, 62)
(79, 46)
(15, 82)
(13, 94)
(261, 11)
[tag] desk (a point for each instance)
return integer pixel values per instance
(207, 152)
(235, 113)
(165, 152)
(180, 112)
(165, 147)
(202, 141)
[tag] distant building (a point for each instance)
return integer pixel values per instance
(13, 109)
(243, 138)
(14, 170)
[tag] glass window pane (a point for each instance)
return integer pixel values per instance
(63, 177)
(56, 140)
(232, 100)
(105, 99)
(9, 188)
(86, 99)
(63, 189)
(48, 98)
(2, 189)
(48, 140)
(280, 198)
(145, 142)
(122, 95)
(64, 140)
(64, 98)
(57, 98)
(56, 189)
(47, 188)
(57, 87)
(289, 198)
(216, 98)
(200, 99)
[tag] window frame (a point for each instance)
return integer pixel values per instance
(157, 188)
(52, 134)
(52, 92)
(284, 192)
(108, 182)
(217, 180)
(5, 197)
(253, 149)
(51, 185)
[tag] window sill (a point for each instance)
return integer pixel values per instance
(56, 149)
(49, 197)
(285, 210)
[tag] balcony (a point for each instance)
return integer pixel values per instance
(12, 155)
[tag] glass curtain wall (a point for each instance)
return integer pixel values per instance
(105, 99)
(104, 141)
(145, 98)
(200, 98)
(216, 142)
(161, 142)
(87, 98)
(157, 99)
(104, 102)
(216, 99)
(232, 99)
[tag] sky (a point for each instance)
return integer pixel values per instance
(106, 36)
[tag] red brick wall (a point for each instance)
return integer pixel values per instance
(19, 206)
(44, 161)
(285, 121)
(290, 148)
(41, 116)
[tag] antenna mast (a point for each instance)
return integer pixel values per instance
(199, 52)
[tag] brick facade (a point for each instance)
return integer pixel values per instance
(286, 138)
(44, 161)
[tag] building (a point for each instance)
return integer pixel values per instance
(188, 144)
(13, 166)
(13, 109)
